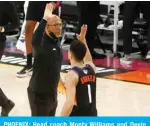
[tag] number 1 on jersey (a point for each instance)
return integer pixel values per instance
(89, 93)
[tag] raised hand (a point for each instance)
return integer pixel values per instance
(48, 11)
(82, 34)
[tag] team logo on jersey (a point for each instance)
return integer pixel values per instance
(85, 71)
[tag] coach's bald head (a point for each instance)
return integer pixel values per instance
(54, 24)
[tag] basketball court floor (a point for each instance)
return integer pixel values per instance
(122, 90)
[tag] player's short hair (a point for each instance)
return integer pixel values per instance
(78, 49)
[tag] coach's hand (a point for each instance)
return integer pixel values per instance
(48, 11)
(82, 34)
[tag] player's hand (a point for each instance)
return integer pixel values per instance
(82, 34)
(48, 11)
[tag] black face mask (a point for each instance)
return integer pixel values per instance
(53, 36)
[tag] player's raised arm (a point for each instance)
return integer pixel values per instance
(88, 58)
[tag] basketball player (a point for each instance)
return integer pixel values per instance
(42, 90)
(80, 82)
(8, 22)
(35, 13)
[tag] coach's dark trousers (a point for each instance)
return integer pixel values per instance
(41, 104)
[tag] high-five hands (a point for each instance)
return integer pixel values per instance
(48, 11)
(82, 34)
